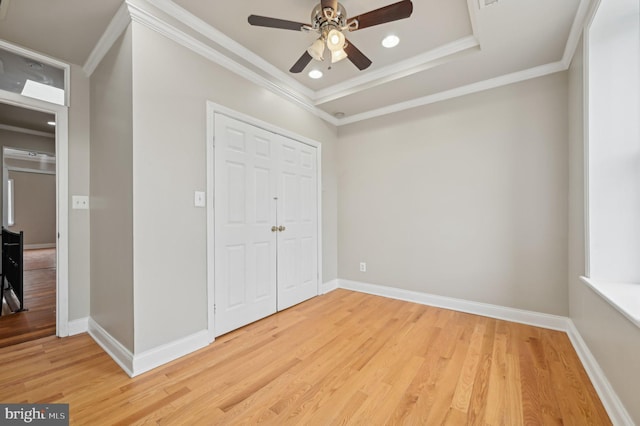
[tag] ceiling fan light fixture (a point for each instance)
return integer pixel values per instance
(316, 50)
(335, 40)
(390, 41)
(338, 55)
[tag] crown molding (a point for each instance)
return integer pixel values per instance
(283, 85)
(146, 17)
(211, 33)
(27, 131)
(371, 79)
(585, 12)
(480, 86)
(116, 27)
(396, 71)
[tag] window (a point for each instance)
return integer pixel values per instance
(10, 203)
(613, 81)
(32, 75)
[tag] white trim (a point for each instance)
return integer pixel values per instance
(289, 88)
(585, 141)
(146, 18)
(416, 64)
(480, 86)
(392, 72)
(622, 296)
(210, 152)
(27, 131)
(329, 286)
(27, 170)
(319, 219)
(576, 31)
(121, 355)
(168, 352)
(201, 27)
(221, 109)
(135, 365)
(117, 26)
(62, 199)
(553, 322)
(39, 246)
(616, 410)
(62, 202)
(78, 326)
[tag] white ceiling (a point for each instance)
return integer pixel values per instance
(447, 47)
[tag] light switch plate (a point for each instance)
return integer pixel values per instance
(199, 199)
(80, 202)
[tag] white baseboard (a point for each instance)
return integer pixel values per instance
(163, 354)
(329, 286)
(39, 246)
(609, 398)
(78, 326)
(537, 319)
(121, 355)
(135, 365)
(616, 410)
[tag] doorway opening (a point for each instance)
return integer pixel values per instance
(29, 203)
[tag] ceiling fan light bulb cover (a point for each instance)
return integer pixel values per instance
(335, 40)
(316, 50)
(338, 55)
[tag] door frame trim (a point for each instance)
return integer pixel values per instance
(213, 109)
(61, 113)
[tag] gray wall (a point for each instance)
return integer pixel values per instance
(34, 202)
(465, 198)
(78, 173)
(170, 88)
(611, 337)
(112, 193)
(24, 141)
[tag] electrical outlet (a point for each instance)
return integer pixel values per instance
(363, 266)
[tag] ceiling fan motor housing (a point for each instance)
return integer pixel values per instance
(320, 17)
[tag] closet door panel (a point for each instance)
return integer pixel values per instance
(298, 242)
(245, 211)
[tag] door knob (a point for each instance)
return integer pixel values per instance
(282, 228)
(274, 229)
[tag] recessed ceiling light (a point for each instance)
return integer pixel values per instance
(51, 123)
(315, 74)
(390, 41)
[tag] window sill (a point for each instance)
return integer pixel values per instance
(625, 297)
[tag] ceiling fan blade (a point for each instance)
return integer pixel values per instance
(393, 12)
(333, 4)
(356, 56)
(302, 63)
(264, 21)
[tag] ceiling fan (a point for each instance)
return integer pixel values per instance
(329, 20)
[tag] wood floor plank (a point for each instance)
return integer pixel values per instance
(39, 320)
(343, 358)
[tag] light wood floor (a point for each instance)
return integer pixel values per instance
(341, 358)
(39, 276)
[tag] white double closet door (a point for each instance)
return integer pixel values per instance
(266, 223)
